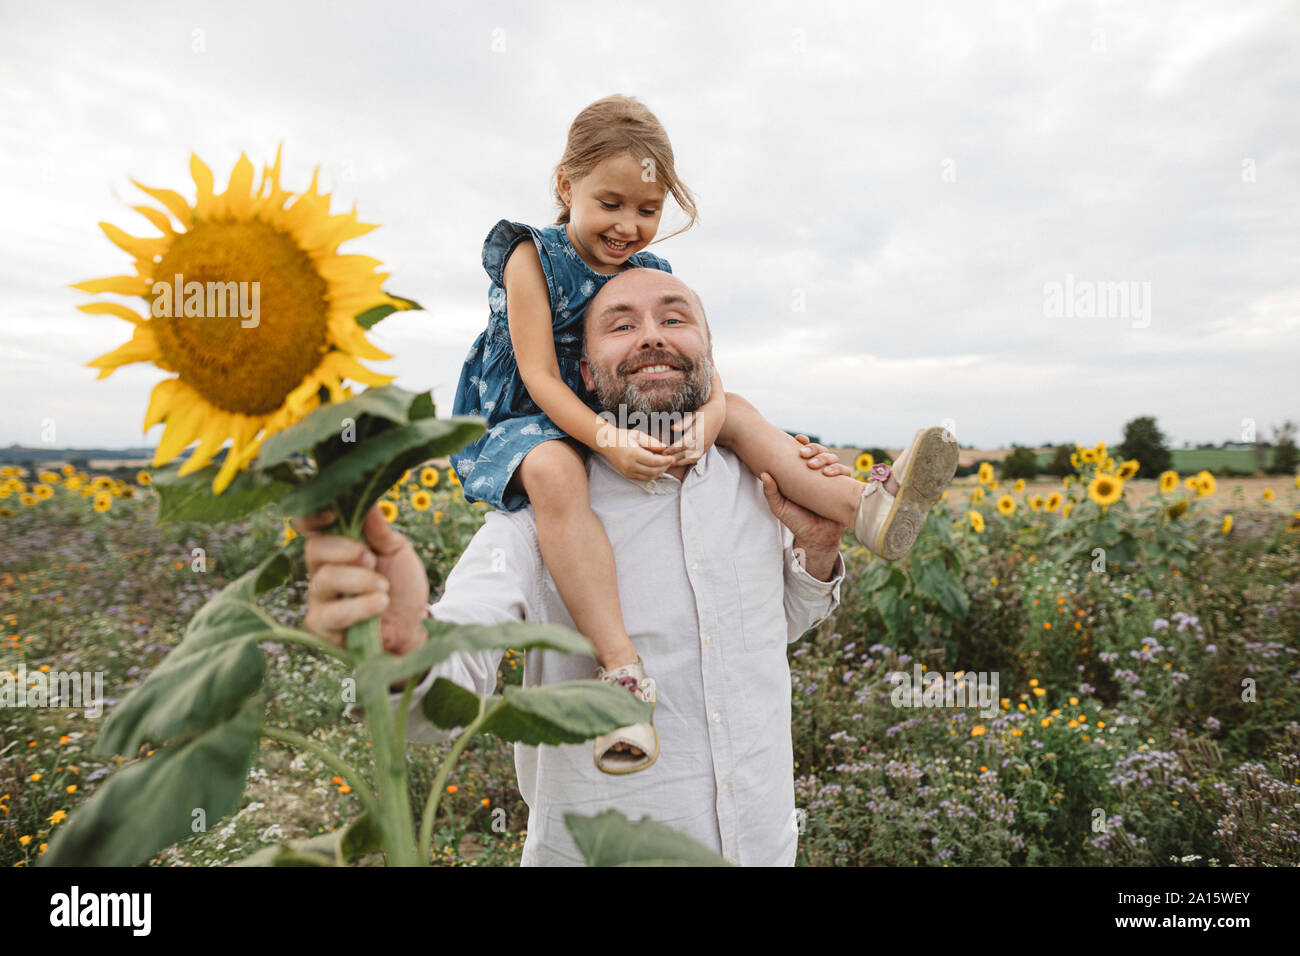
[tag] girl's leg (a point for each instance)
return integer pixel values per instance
(765, 448)
(575, 548)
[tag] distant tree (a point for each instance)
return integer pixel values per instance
(1060, 464)
(1021, 463)
(1144, 441)
(1284, 450)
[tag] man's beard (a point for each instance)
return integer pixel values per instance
(617, 390)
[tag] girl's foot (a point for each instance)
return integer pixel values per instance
(889, 521)
(635, 747)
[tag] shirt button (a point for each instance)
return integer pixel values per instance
(731, 860)
(649, 486)
(726, 788)
(694, 565)
(707, 638)
(717, 717)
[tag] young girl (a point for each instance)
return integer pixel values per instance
(522, 376)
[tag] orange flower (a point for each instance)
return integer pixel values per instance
(337, 779)
(345, 789)
(1047, 625)
(452, 788)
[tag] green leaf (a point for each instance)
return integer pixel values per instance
(568, 712)
(190, 498)
(933, 580)
(205, 678)
(374, 464)
(446, 639)
(152, 803)
(368, 318)
(448, 705)
(610, 839)
(336, 848)
(386, 402)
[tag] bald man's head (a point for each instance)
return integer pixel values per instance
(646, 344)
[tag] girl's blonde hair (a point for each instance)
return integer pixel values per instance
(614, 126)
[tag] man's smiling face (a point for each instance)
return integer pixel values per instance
(646, 345)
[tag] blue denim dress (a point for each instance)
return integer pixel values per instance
(490, 384)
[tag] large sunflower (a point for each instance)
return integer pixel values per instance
(238, 377)
(1106, 489)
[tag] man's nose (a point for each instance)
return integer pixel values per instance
(651, 335)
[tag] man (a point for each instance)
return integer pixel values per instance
(712, 586)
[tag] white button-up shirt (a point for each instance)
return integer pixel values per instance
(711, 593)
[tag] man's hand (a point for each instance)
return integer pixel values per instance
(819, 537)
(818, 456)
(348, 582)
(634, 454)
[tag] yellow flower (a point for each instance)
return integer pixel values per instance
(1036, 502)
(1074, 702)
(1128, 469)
(68, 470)
(241, 376)
(1006, 505)
(28, 499)
(1206, 485)
(986, 473)
(24, 840)
(43, 491)
(429, 477)
(864, 462)
(103, 501)
(1178, 509)
(452, 478)
(289, 535)
(1268, 494)
(1020, 485)
(143, 478)
(976, 521)
(1033, 682)
(1105, 489)
(978, 730)
(1227, 523)
(977, 495)
(421, 500)
(1100, 451)
(1039, 691)
(389, 511)
(1053, 501)
(1087, 456)
(58, 816)
(49, 477)
(1168, 481)
(71, 788)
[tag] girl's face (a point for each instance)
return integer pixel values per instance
(613, 213)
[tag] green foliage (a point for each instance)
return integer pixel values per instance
(610, 839)
(1144, 441)
(1021, 463)
(1285, 456)
(1059, 466)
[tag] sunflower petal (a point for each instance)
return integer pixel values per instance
(213, 433)
(158, 218)
(112, 308)
(142, 249)
(205, 200)
(120, 285)
(143, 347)
(239, 201)
(161, 401)
(176, 205)
(182, 428)
(240, 451)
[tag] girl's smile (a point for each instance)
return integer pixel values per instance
(613, 212)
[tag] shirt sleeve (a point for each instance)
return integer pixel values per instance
(808, 601)
(500, 243)
(492, 583)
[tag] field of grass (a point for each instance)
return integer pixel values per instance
(1147, 713)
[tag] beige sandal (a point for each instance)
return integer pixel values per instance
(887, 525)
(642, 736)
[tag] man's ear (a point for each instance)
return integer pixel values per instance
(585, 370)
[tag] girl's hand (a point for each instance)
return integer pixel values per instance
(699, 432)
(634, 454)
(818, 457)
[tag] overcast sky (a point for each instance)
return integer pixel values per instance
(903, 206)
